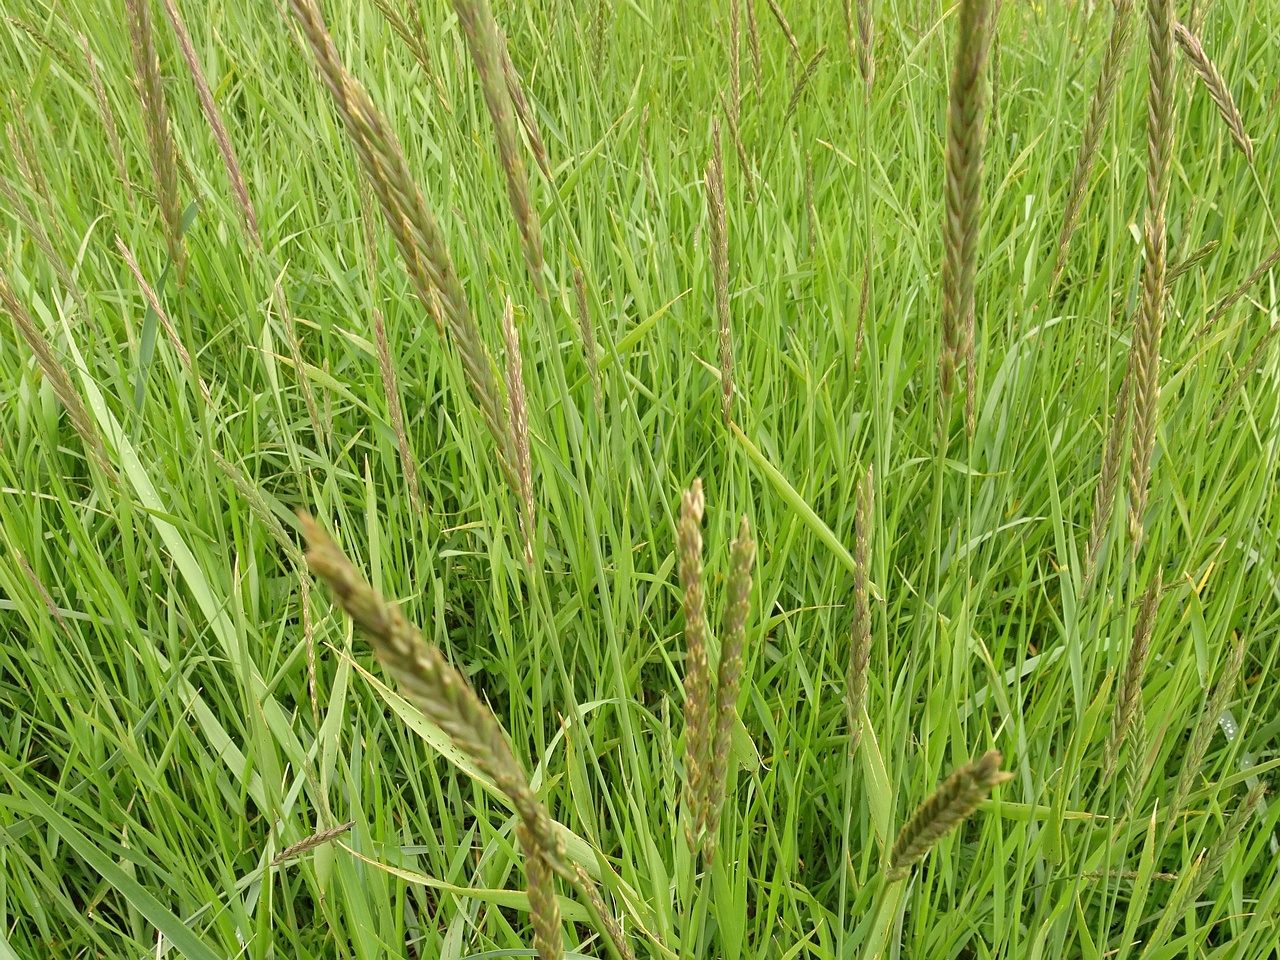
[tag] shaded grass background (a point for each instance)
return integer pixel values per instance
(157, 734)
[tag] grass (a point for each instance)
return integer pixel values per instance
(160, 747)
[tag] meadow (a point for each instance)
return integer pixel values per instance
(614, 478)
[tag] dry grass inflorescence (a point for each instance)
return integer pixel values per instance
(1005, 694)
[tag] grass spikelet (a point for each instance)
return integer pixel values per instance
(153, 301)
(155, 116)
(606, 919)
(544, 908)
(720, 269)
(733, 633)
(963, 197)
(1256, 357)
(867, 43)
(1150, 325)
(953, 801)
(1193, 759)
(1113, 62)
(588, 337)
(108, 119)
(801, 82)
(1212, 79)
(753, 41)
(519, 414)
(299, 363)
(483, 40)
(1129, 692)
(1230, 299)
(860, 642)
(23, 148)
(1104, 496)
(18, 207)
(390, 383)
(415, 230)
(786, 28)
(697, 674)
(214, 116)
(318, 839)
(744, 160)
(864, 304)
(600, 31)
(1217, 853)
(524, 113)
(1192, 260)
(428, 680)
(735, 74)
(411, 38)
(58, 377)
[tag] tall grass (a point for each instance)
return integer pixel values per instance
(957, 716)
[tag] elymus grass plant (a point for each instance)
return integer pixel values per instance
(202, 756)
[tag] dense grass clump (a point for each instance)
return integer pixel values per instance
(489, 480)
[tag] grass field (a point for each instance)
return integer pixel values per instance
(180, 703)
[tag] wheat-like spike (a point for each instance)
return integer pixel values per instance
(864, 304)
(1217, 87)
(1113, 63)
(214, 116)
(1216, 855)
(390, 385)
(153, 301)
(753, 40)
(29, 220)
(1135, 773)
(963, 197)
(478, 26)
(744, 160)
(406, 33)
(544, 908)
(720, 269)
(23, 147)
(108, 119)
(802, 81)
(1255, 359)
(810, 213)
(1129, 692)
(867, 43)
(697, 674)
(1150, 326)
(1193, 760)
(1104, 496)
(524, 113)
(519, 414)
(860, 642)
(433, 685)
(611, 927)
(953, 801)
(58, 377)
(1230, 299)
(588, 337)
(294, 343)
(786, 28)
(155, 115)
(733, 633)
(309, 643)
(43, 591)
(604, 16)
(415, 230)
(258, 506)
(56, 51)
(735, 75)
(310, 843)
(1192, 260)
